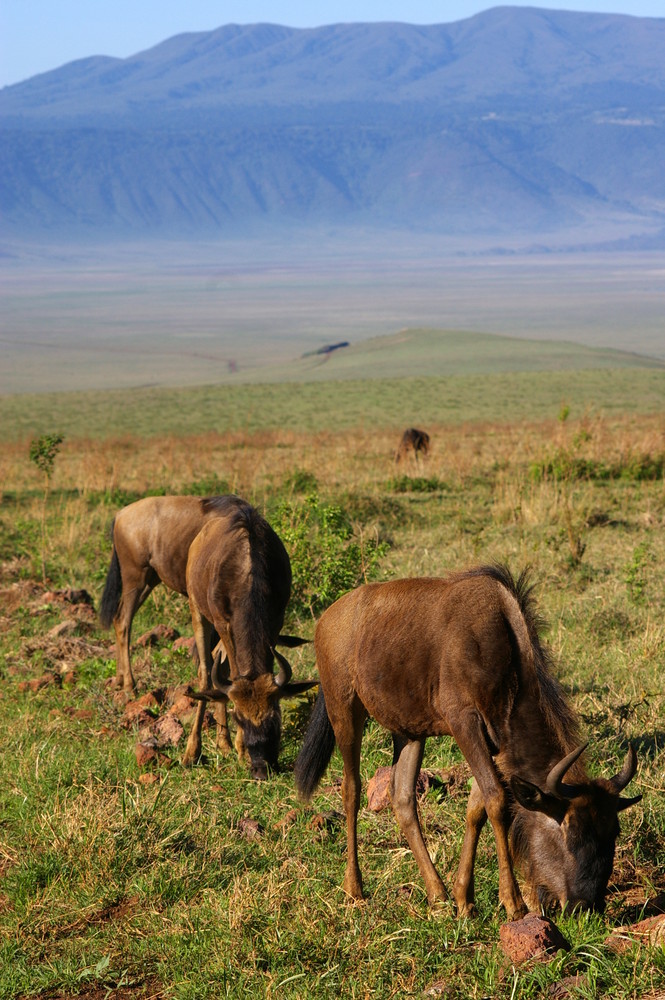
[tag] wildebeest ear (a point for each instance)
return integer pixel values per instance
(291, 641)
(220, 693)
(294, 688)
(533, 798)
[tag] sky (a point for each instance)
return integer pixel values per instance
(39, 35)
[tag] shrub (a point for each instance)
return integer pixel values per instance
(327, 556)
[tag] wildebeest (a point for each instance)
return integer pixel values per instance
(413, 441)
(152, 539)
(238, 580)
(461, 656)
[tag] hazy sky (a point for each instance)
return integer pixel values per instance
(38, 35)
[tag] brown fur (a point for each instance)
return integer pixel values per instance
(413, 443)
(226, 558)
(238, 579)
(458, 656)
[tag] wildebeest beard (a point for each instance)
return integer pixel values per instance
(261, 740)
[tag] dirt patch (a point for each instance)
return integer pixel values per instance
(150, 989)
(119, 910)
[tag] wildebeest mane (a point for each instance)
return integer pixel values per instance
(560, 719)
(255, 617)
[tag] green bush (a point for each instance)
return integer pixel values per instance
(327, 556)
(415, 484)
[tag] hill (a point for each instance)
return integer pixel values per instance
(517, 119)
(412, 353)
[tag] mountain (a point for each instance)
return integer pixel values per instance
(515, 120)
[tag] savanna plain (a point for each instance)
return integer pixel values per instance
(119, 879)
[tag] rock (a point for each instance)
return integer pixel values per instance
(250, 829)
(286, 821)
(182, 707)
(146, 753)
(185, 643)
(533, 937)
(160, 633)
(168, 730)
(147, 702)
(62, 628)
(325, 823)
(148, 778)
(650, 932)
(71, 595)
(567, 987)
(378, 789)
(37, 683)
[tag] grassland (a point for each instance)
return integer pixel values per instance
(156, 314)
(168, 882)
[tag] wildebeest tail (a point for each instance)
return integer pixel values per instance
(112, 592)
(316, 751)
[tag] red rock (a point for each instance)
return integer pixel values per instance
(650, 931)
(286, 821)
(160, 633)
(182, 707)
(324, 823)
(145, 703)
(567, 987)
(533, 937)
(76, 596)
(37, 683)
(186, 643)
(168, 730)
(148, 778)
(146, 753)
(62, 628)
(378, 789)
(250, 829)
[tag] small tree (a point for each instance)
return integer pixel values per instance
(42, 452)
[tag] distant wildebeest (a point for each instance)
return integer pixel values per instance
(240, 578)
(461, 656)
(413, 442)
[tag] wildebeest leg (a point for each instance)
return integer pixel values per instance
(134, 594)
(471, 737)
(403, 798)
(349, 747)
(203, 634)
(476, 817)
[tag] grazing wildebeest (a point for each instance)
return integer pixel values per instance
(151, 544)
(238, 580)
(413, 441)
(461, 656)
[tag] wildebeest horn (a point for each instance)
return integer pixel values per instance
(620, 780)
(218, 674)
(291, 641)
(284, 675)
(554, 784)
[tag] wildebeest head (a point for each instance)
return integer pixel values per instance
(564, 836)
(256, 707)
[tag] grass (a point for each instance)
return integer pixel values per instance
(387, 403)
(118, 881)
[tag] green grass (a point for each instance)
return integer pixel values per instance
(312, 407)
(113, 887)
